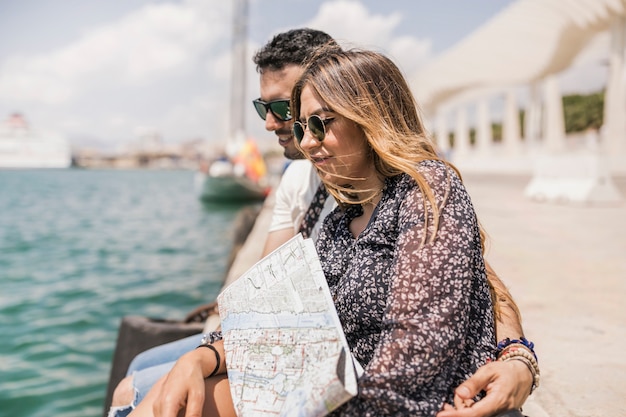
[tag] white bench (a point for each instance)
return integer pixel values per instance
(572, 178)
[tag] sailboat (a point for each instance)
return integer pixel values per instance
(240, 175)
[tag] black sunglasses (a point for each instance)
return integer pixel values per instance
(317, 127)
(279, 108)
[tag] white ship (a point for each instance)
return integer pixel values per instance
(23, 147)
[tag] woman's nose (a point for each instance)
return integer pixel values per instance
(308, 141)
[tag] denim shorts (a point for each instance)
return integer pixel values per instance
(149, 366)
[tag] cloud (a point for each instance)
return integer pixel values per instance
(352, 24)
(166, 66)
(96, 83)
(147, 45)
(24, 79)
(410, 53)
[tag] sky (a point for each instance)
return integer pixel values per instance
(105, 72)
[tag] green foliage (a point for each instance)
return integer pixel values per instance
(496, 132)
(583, 111)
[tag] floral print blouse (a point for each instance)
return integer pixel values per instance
(418, 317)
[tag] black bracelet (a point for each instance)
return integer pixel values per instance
(217, 358)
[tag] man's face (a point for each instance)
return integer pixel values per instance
(277, 85)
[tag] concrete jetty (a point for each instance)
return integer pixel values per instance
(566, 267)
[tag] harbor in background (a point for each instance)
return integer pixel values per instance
(81, 248)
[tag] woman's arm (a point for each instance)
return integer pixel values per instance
(438, 323)
(184, 386)
(508, 316)
(507, 384)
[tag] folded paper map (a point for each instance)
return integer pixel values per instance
(286, 352)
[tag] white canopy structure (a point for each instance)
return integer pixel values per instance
(528, 44)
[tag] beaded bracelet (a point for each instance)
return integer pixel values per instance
(530, 367)
(210, 338)
(503, 344)
(217, 358)
(523, 355)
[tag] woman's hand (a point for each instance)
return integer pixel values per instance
(507, 385)
(183, 387)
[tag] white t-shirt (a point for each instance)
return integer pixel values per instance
(293, 197)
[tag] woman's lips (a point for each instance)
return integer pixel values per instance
(319, 160)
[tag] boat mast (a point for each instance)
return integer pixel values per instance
(238, 70)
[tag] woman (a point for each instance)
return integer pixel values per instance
(404, 256)
(402, 253)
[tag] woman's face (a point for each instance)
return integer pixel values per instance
(342, 158)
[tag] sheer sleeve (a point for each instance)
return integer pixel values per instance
(437, 326)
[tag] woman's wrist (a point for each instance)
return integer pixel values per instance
(522, 375)
(203, 359)
(210, 357)
(521, 350)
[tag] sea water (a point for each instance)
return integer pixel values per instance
(80, 249)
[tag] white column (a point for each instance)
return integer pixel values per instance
(443, 142)
(614, 128)
(510, 126)
(461, 134)
(532, 120)
(484, 136)
(554, 123)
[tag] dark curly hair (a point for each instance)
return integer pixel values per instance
(292, 47)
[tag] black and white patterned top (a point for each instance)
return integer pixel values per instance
(418, 318)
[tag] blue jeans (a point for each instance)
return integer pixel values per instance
(149, 366)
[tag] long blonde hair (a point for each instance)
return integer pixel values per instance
(368, 89)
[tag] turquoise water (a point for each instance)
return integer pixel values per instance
(79, 249)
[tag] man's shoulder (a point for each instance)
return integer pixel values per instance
(299, 181)
(300, 174)
(300, 166)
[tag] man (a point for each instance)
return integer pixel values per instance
(279, 63)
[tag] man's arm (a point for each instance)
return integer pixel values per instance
(508, 316)
(291, 199)
(506, 384)
(276, 238)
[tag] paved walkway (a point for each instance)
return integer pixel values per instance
(566, 268)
